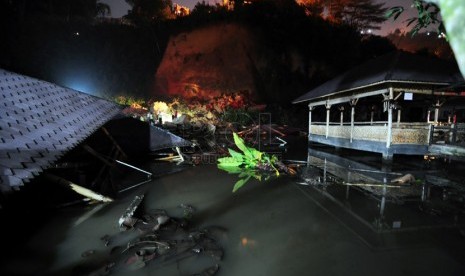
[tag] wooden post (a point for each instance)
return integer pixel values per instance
(436, 110)
(107, 133)
(398, 116)
(389, 130)
(428, 116)
(352, 118)
(328, 107)
(353, 102)
(310, 109)
(430, 134)
(97, 155)
(341, 109)
(372, 114)
(389, 108)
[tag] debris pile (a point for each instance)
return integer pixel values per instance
(154, 240)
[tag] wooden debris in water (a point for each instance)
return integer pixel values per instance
(127, 220)
(408, 178)
(162, 240)
(79, 189)
(380, 185)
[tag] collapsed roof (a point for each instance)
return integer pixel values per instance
(40, 122)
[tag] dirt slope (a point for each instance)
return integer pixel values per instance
(207, 62)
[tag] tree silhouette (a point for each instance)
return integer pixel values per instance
(147, 11)
(102, 9)
(359, 14)
(364, 14)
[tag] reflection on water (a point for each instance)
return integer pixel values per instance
(372, 196)
(278, 227)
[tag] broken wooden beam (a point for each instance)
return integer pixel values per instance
(78, 189)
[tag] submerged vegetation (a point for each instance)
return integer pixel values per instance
(251, 163)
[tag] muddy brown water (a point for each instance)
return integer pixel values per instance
(284, 226)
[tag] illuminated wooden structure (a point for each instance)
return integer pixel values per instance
(390, 105)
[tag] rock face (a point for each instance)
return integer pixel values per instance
(207, 62)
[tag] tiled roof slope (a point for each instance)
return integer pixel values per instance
(39, 122)
(163, 139)
(396, 67)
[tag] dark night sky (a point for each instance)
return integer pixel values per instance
(120, 8)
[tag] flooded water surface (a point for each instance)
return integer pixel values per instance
(317, 223)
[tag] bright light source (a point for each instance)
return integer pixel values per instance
(78, 77)
(76, 33)
(81, 87)
(79, 84)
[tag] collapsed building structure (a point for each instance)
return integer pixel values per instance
(47, 127)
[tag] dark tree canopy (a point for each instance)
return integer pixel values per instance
(146, 11)
(359, 14)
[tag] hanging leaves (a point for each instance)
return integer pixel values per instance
(428, 14)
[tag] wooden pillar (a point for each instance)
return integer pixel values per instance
(328, 108)
(399, 111)
(436, 111)
(389, 131)
(389, 109)
(310, 109)
(353, 102)
(341, 109)
(352, 118)
(372, 114)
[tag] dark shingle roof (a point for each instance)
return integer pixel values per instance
(39, 122)
(395, 67)
(162, 139)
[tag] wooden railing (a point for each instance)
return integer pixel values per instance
(402, 133)
(452, 134)
(411, 133)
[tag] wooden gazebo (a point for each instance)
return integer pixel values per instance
(395, 104)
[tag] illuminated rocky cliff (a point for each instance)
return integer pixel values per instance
(208, 62)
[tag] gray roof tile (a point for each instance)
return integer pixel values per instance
(41, 121)
(396, 68)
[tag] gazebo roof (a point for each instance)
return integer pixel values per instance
(40, 122)
(394, 68)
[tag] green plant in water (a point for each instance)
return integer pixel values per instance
(250, 163)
